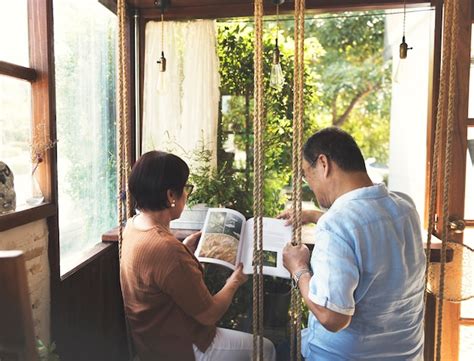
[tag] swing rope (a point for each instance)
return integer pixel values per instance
(123, 126)
(445, 118)
(258, 184)
(297, 149)
(120, 130)
(123, 141)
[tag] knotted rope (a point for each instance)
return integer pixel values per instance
(445, 118)
(123, 125)
(298, 113)
(258, 184)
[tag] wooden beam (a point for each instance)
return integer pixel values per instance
(242, 9)
(25, 216)
(40, 27)
(467, 322)
(17, 71)
(470, 121)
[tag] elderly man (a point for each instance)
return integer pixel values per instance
(366, 294)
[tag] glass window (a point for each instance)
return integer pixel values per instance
(85, 44)
(15, 134)
(469, 198)
(14, 32)
(466, 348)
(467, 307)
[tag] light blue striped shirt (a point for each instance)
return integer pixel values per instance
(368, 262)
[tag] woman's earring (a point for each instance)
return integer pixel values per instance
(173, 204)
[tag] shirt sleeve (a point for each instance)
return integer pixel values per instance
(184, 283)
(336, 274)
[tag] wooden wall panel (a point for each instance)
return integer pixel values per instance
(90, 321)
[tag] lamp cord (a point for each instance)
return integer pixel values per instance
(162, 32)
(404, 15)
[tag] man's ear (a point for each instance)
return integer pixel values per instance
(326, 164)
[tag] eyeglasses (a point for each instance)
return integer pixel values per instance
(188, 188)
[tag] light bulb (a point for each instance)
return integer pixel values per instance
(277, 78)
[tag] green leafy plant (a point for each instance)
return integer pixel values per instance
(217, 187)
(47, 353)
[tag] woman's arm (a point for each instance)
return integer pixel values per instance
(222, 299)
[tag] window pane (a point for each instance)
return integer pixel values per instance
(467, 307)
(85, 95)
(15, 134)
(466, 349)
(14, 32)
(469, 200)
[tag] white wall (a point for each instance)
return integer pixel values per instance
(32, 239)
(410, 104)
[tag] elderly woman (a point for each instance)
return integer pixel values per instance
(172, 315)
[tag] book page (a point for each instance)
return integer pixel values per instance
(275, 236)
(221, 237)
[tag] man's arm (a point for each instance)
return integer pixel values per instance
(296, 258)
(332, 321)
(307, 216)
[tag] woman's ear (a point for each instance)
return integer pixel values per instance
(171, 198)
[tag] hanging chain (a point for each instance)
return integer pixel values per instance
(404, 15)
(162, 32)
(277, 21)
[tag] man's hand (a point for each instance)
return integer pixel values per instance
(307, 216)
(237, 278)
(192, 241)
(295, 258)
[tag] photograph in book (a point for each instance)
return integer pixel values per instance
(221, 237)
(227, 239)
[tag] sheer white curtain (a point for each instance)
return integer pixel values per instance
(184, 115)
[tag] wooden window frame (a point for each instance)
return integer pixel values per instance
(40, 75)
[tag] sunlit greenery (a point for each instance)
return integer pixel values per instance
(347, 84)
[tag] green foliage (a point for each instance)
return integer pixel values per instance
(235, 50)
(354, 79)
(47, 353)
(216, 187)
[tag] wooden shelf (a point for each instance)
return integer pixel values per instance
(27, 215)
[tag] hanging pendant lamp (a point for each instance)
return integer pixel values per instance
(162, 5)
(404, 46)
(277, 78)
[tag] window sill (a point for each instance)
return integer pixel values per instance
(26, 215)
(74, 264)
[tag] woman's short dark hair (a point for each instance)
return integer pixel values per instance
(338, 146)
(153, 174)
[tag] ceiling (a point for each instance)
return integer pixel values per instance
(195, 9)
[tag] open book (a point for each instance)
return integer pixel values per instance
(227, 239)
